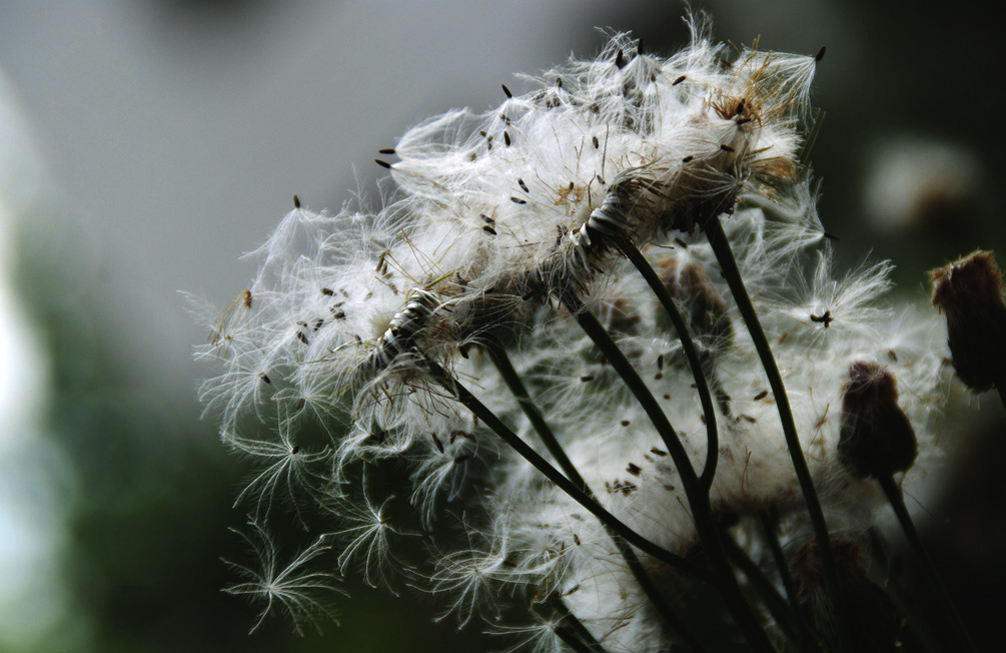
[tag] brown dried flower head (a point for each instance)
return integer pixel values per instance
(969, 292)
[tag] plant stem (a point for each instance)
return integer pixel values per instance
(519, 391)
(698, 497)
(932, 575)
(914, 621)
(768, 529)
(774, 603)
(575, 625)
(724, 255)
(566, 633)
(576, 492)
(599, 335)
(533, 414)
(688, 346)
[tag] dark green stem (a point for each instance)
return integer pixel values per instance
(576, 492)
(688, 346)
(698, 497)
(575, 625)
(566, 633)
(519, 391)
(963, 638)
(600, 337)
(533, 414)
(907, 606)
(774, 602)
(724, 255)
(768, 529)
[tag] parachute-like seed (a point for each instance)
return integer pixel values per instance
(302, 594)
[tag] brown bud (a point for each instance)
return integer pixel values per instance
(688, 283)
(876, 438)
(806, 565)
(878, 624)
(969, 292)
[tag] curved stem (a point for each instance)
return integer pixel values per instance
(688, 346)
(599, 335)
(724, 255)
(698, 497)
(547, 436)
(932, 575)
(470, 401)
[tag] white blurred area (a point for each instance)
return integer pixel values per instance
(913, 182)
(182, 137)
(31, 508)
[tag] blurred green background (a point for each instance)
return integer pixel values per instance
(145, 145)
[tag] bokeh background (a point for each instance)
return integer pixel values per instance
(146, 144)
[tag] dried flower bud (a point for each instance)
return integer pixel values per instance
(879, 626)
(969, 292)
(876, 438)
(806, 565)
(688, 282)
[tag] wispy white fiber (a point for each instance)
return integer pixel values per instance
(494, 219)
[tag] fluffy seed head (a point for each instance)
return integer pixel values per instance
(493, 220)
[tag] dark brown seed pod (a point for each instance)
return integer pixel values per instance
(969, 292)
(879, 625)
(876, 439)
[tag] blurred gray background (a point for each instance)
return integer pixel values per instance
(170, 137)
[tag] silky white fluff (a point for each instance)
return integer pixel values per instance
(493, 219)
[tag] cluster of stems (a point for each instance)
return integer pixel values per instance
(562, 241)
(723, 557)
